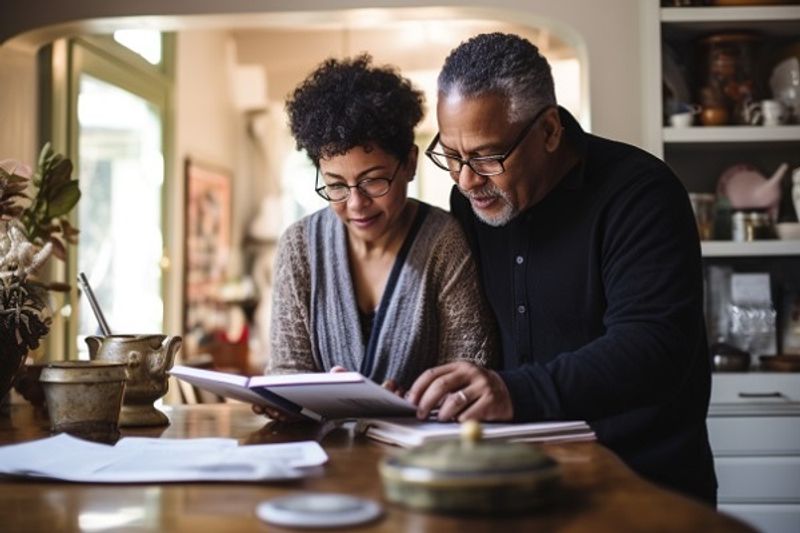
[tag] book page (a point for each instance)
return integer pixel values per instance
(346, 399)
(315, 395)
(220, 383)
(412, 432)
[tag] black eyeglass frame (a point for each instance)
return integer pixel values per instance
(321, 190)
(500, 158)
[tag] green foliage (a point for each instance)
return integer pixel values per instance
(33, 223)
(55, 196)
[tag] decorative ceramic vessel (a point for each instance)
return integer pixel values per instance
(84, 397)
(148, 357)
(729, 72)
(471, 476)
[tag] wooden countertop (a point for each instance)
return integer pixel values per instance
(600, 492)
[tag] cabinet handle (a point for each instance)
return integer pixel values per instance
(760, 395)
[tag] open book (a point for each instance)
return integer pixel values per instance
(318, 396)
(409, 432)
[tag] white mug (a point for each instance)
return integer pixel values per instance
(774, 112)
(681, 120)
(683, 117)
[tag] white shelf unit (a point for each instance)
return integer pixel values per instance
(770, 248)
(754, 429)
(754, 440)
(732, 134)
(716, 17)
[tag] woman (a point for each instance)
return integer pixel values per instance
(377, 283)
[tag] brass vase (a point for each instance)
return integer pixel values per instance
(148, 358)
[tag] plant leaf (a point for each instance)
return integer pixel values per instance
(59, 173)
(70, 233)
(58, 249)
(63, 198)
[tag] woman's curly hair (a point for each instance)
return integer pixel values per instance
(348, 103)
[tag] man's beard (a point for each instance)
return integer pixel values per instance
(507, 209)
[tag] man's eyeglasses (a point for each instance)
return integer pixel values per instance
(487, 165)
(369, 187)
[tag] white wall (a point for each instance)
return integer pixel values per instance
(606, 33)
(607, 30)
(18, 115)
(205, 129)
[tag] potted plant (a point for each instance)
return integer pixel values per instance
(33, 227)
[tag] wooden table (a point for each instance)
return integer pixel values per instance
(601, 493)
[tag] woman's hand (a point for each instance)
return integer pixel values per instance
(275, 414)
(392, 386)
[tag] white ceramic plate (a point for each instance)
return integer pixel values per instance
(318, 510)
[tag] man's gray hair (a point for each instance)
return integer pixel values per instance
(500, 63)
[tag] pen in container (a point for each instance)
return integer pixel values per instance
(87, 290)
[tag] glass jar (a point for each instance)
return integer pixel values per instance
(703, 208)
(728, 74)
(751, 225)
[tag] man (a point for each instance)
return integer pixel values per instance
(590, 259)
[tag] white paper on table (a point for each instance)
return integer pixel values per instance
(61, 454)
(181, 445)
(160, 460)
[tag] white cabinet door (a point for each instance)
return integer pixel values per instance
(754, 435)
(758, 479)
(755, 388)
(767, 518)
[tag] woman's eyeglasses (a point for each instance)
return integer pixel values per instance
(369, 187)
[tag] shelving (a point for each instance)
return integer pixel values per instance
(726, 15)
(754, 440)
(775, 20)
(756, 444)
(733, 134)
(771, 248)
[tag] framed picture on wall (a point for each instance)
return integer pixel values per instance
(207, 249)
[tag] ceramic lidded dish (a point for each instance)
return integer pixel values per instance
(471, 475)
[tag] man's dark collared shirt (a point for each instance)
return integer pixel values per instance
(598, 295)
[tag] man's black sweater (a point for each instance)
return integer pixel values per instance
(598, 295)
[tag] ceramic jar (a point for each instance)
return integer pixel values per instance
(148, 358)
(84, 397)
(729, 80)
(472, 475)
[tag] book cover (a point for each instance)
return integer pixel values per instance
(318, 396)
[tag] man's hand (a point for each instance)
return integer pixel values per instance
(463, 391)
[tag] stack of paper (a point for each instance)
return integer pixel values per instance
(408, 432)
(139, 460)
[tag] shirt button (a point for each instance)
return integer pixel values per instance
(520, 260)
(521, 309)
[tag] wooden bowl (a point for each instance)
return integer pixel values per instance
(788, 230)
(780, 363)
